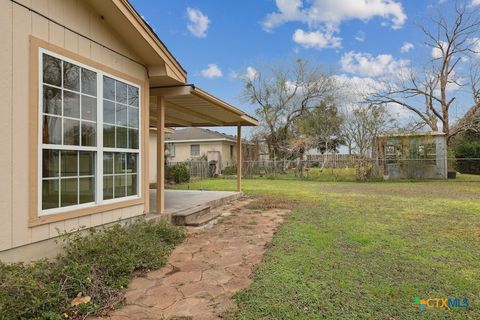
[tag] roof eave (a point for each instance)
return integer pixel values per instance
(146, 32)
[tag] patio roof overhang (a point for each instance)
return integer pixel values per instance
(190, 106)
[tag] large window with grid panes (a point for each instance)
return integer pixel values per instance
(89, 136)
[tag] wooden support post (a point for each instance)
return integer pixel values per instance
(239, 158)
(160, 155)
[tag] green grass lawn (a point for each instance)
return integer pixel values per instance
(366, 250)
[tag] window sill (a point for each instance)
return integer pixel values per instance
(46, 219)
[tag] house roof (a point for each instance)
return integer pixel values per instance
(198, 134)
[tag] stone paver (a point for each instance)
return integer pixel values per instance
(205, 271)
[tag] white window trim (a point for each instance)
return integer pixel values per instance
(99, 149)
(191, 153)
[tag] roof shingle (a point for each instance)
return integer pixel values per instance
(192, 134)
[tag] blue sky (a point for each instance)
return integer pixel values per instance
(216, 41)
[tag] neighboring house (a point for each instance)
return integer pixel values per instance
(82, 83)
(421, 155)
(195, 144)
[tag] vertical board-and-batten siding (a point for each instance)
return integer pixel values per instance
(16, 25)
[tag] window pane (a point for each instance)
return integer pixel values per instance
(121, 115)
(52, 70)
(132, 139)
(121, 137)
(109, 136)
(69, 193)
(50, 163)
(71, 132)
(89, 108)
(195, 150)
(131, 162)
(120, 186)
(89, 136)
(50, 194)
(133, 96)
(132, 117)
(108, 88)
(52, 100)
(69, 167)
(86, 163)
(71, 104)
(131, 184)
(87, 190)
(108, 112)
(89, 82)
(119, 166)
(108, 187)
(108, 163)
(71, 76)
(52, 130)
(121, 92)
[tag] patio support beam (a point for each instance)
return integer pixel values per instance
(239, 158)
(160, 155)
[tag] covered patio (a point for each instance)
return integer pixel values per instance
(188, 106)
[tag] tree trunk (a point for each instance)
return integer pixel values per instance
(301, 167)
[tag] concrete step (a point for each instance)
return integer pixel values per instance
(195, 216)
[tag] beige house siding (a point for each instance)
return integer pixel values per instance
(182, 152)
(17, 24)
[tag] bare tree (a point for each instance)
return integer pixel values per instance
(451, 40)
(363, 125)
(471, 119)
(283, 94)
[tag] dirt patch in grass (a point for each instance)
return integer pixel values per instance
(272, 203)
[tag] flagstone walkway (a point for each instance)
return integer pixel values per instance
(205, 271)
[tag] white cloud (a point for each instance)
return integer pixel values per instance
(360, 36)
(251, 73)
(356, 87)
(437, 51)
(316, 39)
(212, 71)
(475, 3)
(366, 65)
(198, 23)
(353, 91)
(334, 12)
(407, 46)
(475, 44)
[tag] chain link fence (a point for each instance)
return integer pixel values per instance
(341, 168)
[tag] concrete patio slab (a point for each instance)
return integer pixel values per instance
(179, 200)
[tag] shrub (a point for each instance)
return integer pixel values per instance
(230, 171)
(365, 170)
(179, 172)
(468, 146)
(97, 265)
